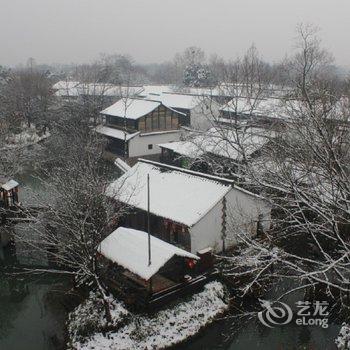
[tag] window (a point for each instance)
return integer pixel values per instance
(174, 122)
(155, 124)
(149, 123)
(150, 146)
(142, 124)
(168, 122)
(161, 121)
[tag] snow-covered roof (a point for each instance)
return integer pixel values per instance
(223, 142)
(115, 133)
(156, 89)
(129, 248)
(231, 143)
(9, 185)
(75, 88)
(132, 108)
(66, 88)
(215, 92)
(180, 195)
(175, 100)
(184, 148)
(120, 164)
(267, 107)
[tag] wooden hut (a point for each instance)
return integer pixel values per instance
(146, 270)
(8, 193)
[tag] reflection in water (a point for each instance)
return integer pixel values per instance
(237, 334)
(29, 318)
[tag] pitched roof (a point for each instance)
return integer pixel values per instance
(156, 89)
(180, 195)
(131, 108)
(222, 142)
(75, 88)
(9, 185)
(184, 148)
(115, 133)
(231, 144)
(262, 107)
(175, 100)
(129, 249)
(66, 88)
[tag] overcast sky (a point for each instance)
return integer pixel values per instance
(154, 30)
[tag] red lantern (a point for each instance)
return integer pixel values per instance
(191, 263)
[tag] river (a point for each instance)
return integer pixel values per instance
(32, 318)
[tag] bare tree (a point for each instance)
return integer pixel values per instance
(27, 96)
(305, 174)
(76, 216)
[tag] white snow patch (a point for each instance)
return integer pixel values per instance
(129, 248)
(167, 328)
(131, 108)
(175, 100)
(90, 317)
(27, 137)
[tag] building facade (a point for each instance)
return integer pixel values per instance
(192, 210)
(134, 127)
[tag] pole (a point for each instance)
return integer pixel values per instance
(223, 224)
(125, 142)
(148, 221)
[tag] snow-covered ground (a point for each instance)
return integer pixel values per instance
(27, 137)
(86, 326)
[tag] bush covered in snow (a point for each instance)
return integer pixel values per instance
(166, 328)
(26, 137)
(343, 339)
(89, 317)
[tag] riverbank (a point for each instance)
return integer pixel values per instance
(174, 325)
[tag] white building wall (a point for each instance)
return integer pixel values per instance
(138, 146)
(243, 212)
(203, 116)
(207, 231)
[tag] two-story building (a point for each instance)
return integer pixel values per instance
(134, 127)
(200, 112)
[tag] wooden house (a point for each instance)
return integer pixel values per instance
(135, 126)
(198, 112)
(189, 209)
(140, 266)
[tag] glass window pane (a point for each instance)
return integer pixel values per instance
(148, 123)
